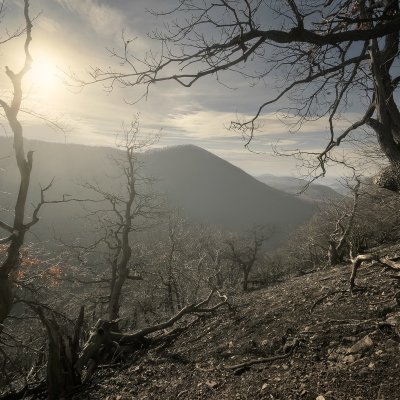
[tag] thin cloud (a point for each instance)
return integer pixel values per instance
(102, 18)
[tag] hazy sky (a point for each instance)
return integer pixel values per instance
(75, 34)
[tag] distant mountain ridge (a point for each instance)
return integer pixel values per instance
(314, 191)
(208, 189)
(228, 196)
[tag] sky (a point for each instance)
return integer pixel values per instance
(74, 35)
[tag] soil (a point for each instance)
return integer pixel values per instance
(331, 344)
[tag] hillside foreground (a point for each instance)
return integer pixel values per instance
(322, 342)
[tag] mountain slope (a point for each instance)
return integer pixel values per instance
(209, 189)
(318, 342)
(212, 190)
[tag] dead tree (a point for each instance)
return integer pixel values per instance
(217, 260)
(213, 245)
(244, 252)
(175, 266)
(344, 225)
(176, 235)
(63, 353)
(131, 210)
(180, 263)
(18, 228)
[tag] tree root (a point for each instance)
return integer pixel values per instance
(356, 262)
(103, 342)
(393, 307)
(321, 299)
(390, 264)
(355, 326)
(264, 360)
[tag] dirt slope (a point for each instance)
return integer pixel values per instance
(346, 348)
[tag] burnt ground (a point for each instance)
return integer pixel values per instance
(334, 345)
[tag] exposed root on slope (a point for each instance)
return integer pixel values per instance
(105, 343)
(321, 299)
(245, 365)
(357, 261)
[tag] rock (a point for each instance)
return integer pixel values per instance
(362, 346)
(320, 398)
(264, 386)
(212, 384)
(349, 359)
(394, 319)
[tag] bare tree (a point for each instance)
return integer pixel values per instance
(171, 256)
(18, 228)
(321, 54)
(132, 209)
(214, 246)
(181, 269)
(244, 252)
(343, 227)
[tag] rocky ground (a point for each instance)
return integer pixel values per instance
(315, 339)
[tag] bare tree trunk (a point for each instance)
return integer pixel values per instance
(62, 376)
(244, 255)
(169, 303)
(126, 209)
(17, 231)
(246, 272)
(124, 249)
(335, 249)
(115, 297)
(387, 122)
(6, 298)
(333, 255)
(177, 295)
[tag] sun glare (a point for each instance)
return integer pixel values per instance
(43, 74)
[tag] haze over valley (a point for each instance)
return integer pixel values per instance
(207, 189)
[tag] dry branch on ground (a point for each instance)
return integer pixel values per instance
(104, 341)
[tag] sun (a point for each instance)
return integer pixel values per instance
(43, 74)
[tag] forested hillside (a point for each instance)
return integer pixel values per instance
(206, 188)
